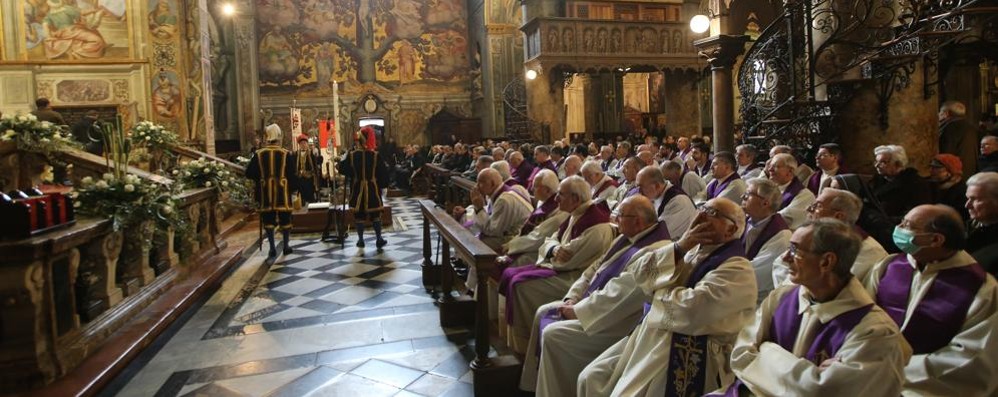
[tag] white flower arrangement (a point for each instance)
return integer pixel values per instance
(152, 136)
(33, 135)
(203, 172)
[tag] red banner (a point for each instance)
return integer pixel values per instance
(323, 133)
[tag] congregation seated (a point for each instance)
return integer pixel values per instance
(542, 159)
(801, 170)
(615, 167)
(767, 235)
(599, 309)
(822, 335)
(628, 187)
(702, 293)
(872, 218)
(898, 186)
(502, 167)
(481, 163)
(988, 159)
(699, 162)
(573, 165)
(795, 198)
(944, 303)
(579, 241)
(948, 187)
(520, 169)
(496, 212)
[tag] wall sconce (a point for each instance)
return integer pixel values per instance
(699, 23)
(531, 74)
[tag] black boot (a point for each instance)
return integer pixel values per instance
(270, 240)
(360, 234)
(287, 242)
(377, 232)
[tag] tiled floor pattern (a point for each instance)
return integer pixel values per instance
(324, 321)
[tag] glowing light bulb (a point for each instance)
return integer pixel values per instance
(531, 74)
(228, 9)
(699, 23)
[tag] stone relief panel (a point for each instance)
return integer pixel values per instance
(610, 38)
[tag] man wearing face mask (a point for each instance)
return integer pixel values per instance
(703, 293)
(944, 303)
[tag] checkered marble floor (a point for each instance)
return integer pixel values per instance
(324, 321)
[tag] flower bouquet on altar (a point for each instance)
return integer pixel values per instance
(212, 174)
(156, 140)
(32, 135)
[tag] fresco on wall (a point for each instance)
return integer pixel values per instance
(74, 30)
(305, 45)
(163, 19)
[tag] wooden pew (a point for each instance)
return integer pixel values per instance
(438, 176)
(459, 191)
(493, 376)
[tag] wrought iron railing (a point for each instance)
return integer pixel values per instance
(795, 78)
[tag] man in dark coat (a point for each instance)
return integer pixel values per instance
(898, 187)
(982, 202)
(412, 162)
(45, 113)
(273, 170)
(988, 162)
(957, 136)
(88, 132)
(367, 174)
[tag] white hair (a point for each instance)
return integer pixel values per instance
(897, 153)
(787, 160)
(591, 167)
(503, 167)
(578, 187)
(843, 200)
(988, 181)
(768, 190)
(548, 179)
(733, 211)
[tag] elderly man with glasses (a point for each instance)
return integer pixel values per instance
(944, 303)
(795, 197)
(767, 235)
(823, 335)
(703, 292)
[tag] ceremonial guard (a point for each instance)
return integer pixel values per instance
(273, 170)
(307, 165)
(366, 173)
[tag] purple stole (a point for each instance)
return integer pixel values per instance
(660, 232)
(633, 191)
(539, 215)
(687, 355)
(512, 276)
(793, 189)
(488, 207)
(941, 313)
(604, 186)
(785, 325)
(715, 187)
(511, 182)
(546, 165)
(669, 194)
(523, 172)
(776, 224)
(814, 182)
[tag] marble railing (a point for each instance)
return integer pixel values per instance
(193, 154)
(585, 43)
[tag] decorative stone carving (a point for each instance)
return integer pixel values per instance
(135, 269)
(721, 51)
(98, 274)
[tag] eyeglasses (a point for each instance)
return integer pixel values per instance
(798, 252)
(745, 196)
(814, 206)
(713, 212)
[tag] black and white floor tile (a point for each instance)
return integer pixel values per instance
(324, 321)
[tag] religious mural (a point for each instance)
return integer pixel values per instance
(74, 30)
(305, 45)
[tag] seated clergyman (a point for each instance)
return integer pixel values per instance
(823, 335)
(703, 293)
(945, 304)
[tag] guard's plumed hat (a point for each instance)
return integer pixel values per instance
(273, 133)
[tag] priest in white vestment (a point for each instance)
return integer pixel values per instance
(691, 183)
(542, 223)
(703, 293)
(844, 206)
(507, 179)
(767, 235)
(579, 242)
(823, 335)
(796, 198)
(672, 204)
(628, 188)
(603, 186)
(726, 182)
(749, 166)
(601, 307)
(945, 304)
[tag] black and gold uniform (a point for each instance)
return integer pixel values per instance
(273, 170)
(367, 174)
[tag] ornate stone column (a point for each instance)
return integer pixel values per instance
(721, 52)
(247, 93)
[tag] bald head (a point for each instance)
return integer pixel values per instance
(647, 157)
(488, 181)
(947, 232)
